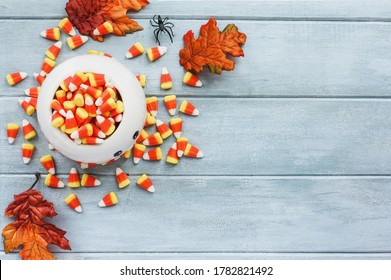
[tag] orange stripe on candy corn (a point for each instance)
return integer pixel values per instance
(188, 108)
(76, 41)
(154, 154)
(73, 178)
(54, 182)
(48, 163)
(192, 151)
(145, 183)
(12, 132)
(109, 199)
(51, 34)
(70, 123)
(103, 29)
(165, 79)
(16, 77)
(67, 27)
(53, 51)
(73, 202)
(156, 52)
(170, 102)
(32, 92)
(152, 105)
(176, 127)
(27, 152)
(138, 152)
(135, 50)
(47, 66)
(122, 178)
(89, 181)
(191, 80)
(153, 140)
(163, 129)
(172, 155)
(28, 130)
(181, 145)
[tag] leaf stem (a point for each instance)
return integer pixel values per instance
(37, 176)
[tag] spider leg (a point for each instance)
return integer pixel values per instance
(157, 36)
(154, 25)
(154, 20)
(169, 23)
(165, 19)
(169, 33)
(172, 33)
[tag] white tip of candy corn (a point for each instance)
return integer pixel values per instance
(136, 160)
(23, 74)
(177, 134)
(72, 32)
(78, 209)
(151, 189)
(83, 38)
(26, 160)
(172, 111)
(196, 112)
(164, 70)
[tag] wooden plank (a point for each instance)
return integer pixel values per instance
(258, 10)
(282, 59)
(224, 214)
(251, 137)
(210, 256)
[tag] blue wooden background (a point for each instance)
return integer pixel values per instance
(297, 140)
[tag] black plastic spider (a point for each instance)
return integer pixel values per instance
(162, 26)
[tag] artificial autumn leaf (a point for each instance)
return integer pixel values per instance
(211, 48)
(29, 229)
(86, 15)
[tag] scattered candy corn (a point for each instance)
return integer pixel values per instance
(135, 50)
(39, 78)
(47, 66)
(103, 29)
(181, 145)
(127, 154)
(16, 77)
(27, 152)
(142, 136)
(51, 34)
(156, 52)
(57, 119)
(165, 79)
(32, 92)
(12, 132)
(109, 199)
(163, 129)
(154, 154)
(28, 108)
(67, 27)
(188, 109)
(28, 130)
(153, 140)
(73, 178)
(54, 182)
(172, 156)
(152, 105)
(145, 183)
(138, 152)
(192, 151)
(122, 178)
(89, 181)
(76, 41)
(48, 163)
(31, 101)
(53, 51)
(73, 202)
(176, 127)
(191, 80)
(142, 79)
(170, 102)
(150, 120)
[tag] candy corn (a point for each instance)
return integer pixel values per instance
(51, 34)
(83, 132)
(122, 178)
(57, 119)
(50, 146)
(54, 182)
(172, 156)
(90, 107)
(107, 94)
(156, 52)
(28, 130)
(191, 80)
(97, 80)
(109, 199)
(27, 152)
(127, 154)
(150, 120)
(73, 178)
(77, 79)
(89, 181)
(188, 109)
(107, 106)
(73, 202)
(39, 78)
(64, 85)
(70, 123)
(47, 66)
(91, 90)
(176, 126)
(152, 105)
(28, 108)
(142, 136)
(135, 50)
(145, 183)
(56, 105)
(48, 163)
(181, 145)
(192, 151)
(170, 102)
(153, 140)
(16, 77)
(96, 132)
(32, 92)
(53, 51)
(85, 165)
(165, 79)
(163, 129)
(91, 141)
(31, 101)
(154, 154)
(138, 152)
(12, 132)
(103, 29)
(105, 125)
(66, 26)
(76, 41)
(142, 79)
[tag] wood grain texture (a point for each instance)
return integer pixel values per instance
(224, 214)
(251, 10)
(252, 137)
(282, 59)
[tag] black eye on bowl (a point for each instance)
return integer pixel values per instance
(118, 153)
(135, 135)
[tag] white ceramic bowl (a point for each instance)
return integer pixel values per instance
(127, 131)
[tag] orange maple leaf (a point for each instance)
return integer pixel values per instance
(86, 15)
(29, 229)
(211, 48)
